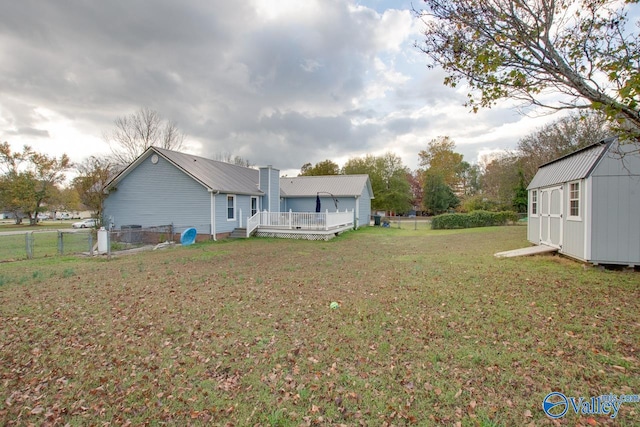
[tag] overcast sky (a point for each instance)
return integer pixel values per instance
(281, 82)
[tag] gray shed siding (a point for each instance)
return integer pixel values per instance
(533, 221)
(616, 222)
(159, 194)
(616, 209)
(608, 228)
(573, 229)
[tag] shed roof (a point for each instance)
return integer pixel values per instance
(212, 174)
(338, 185)
(573, 166)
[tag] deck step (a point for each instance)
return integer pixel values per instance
(238, 233)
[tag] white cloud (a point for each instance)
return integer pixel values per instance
(282, 83)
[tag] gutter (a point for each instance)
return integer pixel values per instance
(213, 213)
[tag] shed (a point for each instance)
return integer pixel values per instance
(587, 204)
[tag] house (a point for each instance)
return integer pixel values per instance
(165, 187)
(334, 192)
(586, 204)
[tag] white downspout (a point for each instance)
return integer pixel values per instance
(356, 221)
(213, 213)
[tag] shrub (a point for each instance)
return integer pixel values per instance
(473, 219)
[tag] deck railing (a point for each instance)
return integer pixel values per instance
(300, 220)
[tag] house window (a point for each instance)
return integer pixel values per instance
(231, 207)
(534, 202)
(574, 199)
(254, 206)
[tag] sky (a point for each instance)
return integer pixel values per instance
(279, 83)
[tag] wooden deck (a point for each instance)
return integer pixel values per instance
(531, 250)
(301, 234)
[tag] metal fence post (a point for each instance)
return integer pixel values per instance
(60, 243)
(28, 236)
(109, 243)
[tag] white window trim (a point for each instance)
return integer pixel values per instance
(580, 201)
(257, 204)
(226, 206)
(537, 193)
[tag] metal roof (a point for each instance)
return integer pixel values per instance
(338, 185)
(212, 174)
(573, 166)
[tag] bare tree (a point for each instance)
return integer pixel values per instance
(558, 139)
(134, 133)
(234, 160)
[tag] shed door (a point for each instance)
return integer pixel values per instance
(551, 217)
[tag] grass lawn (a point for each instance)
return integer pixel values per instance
(431, 330)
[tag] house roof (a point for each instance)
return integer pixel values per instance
(573, 166)
(338, 185)
(212, 174)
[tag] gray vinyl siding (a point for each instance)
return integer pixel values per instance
(159, 194)
(271, 188)
(615, 207)
(243, 207)
(616, 223)
(308, 204)
(365, 207)
(274, 192)
(573, 229)
(303, 204)
(533, 222)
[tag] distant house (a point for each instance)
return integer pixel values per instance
(335, 192)
(165, 187)
(587, 204)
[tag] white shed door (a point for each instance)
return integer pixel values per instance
(551, 217)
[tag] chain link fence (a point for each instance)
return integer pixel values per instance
(130, 237)
(21, 245)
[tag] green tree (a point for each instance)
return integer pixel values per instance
(29, 180)
(520, 196)
(438, 196)
(388, 180)
(468, 178)
(325, 167)
(93, 174)
(500, 179)
(440, 158)
(526, 50)
(15, 190)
